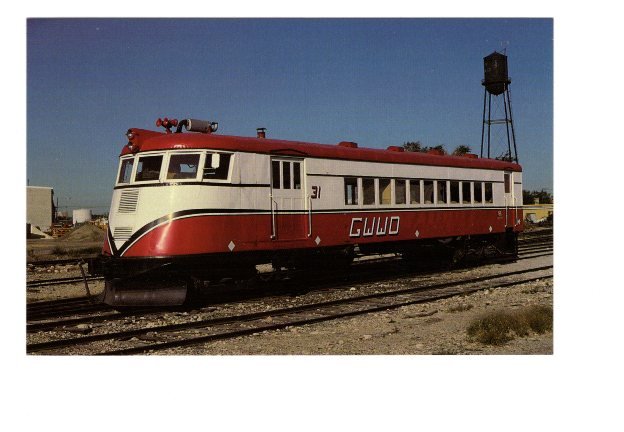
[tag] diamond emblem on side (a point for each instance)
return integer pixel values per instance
(417, 233)
(490, 228)
(317, 240)
(231, 246)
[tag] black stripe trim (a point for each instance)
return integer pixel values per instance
(111, 242)
(177, 215)
(131, 186)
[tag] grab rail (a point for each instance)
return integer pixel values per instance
(506, 212)
(273, 233)
(310, 216)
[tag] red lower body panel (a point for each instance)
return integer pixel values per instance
(205, 234)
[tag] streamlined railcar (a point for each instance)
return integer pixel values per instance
(191, 205)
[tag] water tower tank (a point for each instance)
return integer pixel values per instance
(81, 216)
(495, 73)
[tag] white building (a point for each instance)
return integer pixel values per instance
(39, 206)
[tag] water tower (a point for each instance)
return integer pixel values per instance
(496, 83)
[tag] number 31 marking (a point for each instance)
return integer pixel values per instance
(316, 192)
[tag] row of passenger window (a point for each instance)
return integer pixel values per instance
(415, 191)
(182, 166)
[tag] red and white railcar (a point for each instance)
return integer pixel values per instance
(203, 205)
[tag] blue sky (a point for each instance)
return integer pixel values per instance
(378, 82)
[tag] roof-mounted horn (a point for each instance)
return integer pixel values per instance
(194, 125)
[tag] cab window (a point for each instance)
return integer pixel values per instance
(125, 171)
(217, 166)
(183, 166)
(148, 168)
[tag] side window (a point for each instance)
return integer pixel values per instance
(217, 166)
(454, 192)
(415, 191)
(428, 190)
(351, 191)
(441, 192)
(466, 198)
(183, 166)
(148, 168)
(399, 191)
(507, 183)
(385, 192)
(296, 175)
(478, 192)
(125, 171)
(489, 197)
(275, 175)
(285, 174)
(368, 190)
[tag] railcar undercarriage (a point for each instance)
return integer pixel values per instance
(133, 282)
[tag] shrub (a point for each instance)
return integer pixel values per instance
(497, 328)
(539, 318)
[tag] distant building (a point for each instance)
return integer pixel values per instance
(538, 212)
(81, 216)
(40, 207)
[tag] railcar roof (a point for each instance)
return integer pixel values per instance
(153, 141)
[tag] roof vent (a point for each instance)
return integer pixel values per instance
(349, 144)
(261, 132)
(396, 148)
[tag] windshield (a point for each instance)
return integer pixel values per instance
(148, 168)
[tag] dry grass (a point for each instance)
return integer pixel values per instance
(499, 327)
(460, 308)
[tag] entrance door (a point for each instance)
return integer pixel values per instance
(510, 205)
(288, 216)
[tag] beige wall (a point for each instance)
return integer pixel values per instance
(541, 211)
(39, 206)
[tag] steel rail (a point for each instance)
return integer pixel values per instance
(366, 308)
(247, 317)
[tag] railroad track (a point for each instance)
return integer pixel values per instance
(59, 261)
(185, 334)
(61, 281)
(48, 315)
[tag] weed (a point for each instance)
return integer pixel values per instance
(533, 290)
(497, 328)
(539, 318)
(460, 308)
